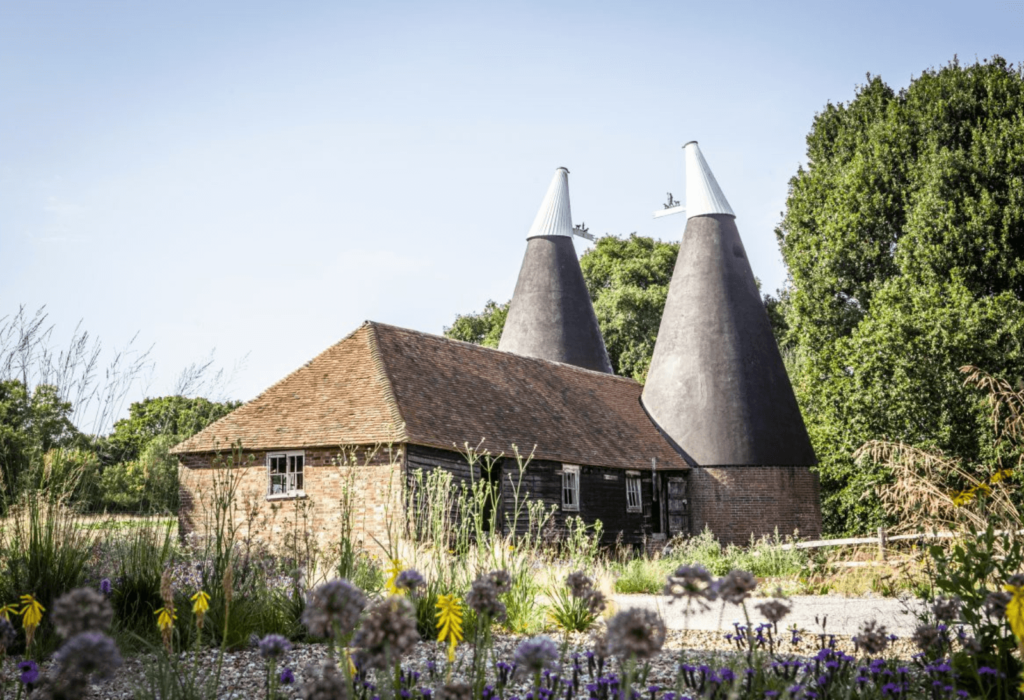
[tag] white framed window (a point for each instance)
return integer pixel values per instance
(633, 501)
(285, 474)
(570, 487)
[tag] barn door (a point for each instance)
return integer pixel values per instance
(677, 506)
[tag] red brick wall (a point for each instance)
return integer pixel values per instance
(736, 502)
(360, 491)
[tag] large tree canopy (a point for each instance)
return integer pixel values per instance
(174, 417)
(31, 424)
(904, 241)
(628, 281)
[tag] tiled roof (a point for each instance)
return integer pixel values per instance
(385, 383)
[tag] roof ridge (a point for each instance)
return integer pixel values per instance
(381, 367)
(575, 368)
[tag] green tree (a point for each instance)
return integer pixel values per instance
(32, 423)
(175, 416)
(149, 483)
(483, 328)
(628, 282)
(141, 474)
(904, 242)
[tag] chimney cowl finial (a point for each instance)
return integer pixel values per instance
(703, 195)
(554, 218)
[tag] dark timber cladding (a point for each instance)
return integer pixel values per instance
(551, 316)
(602, 493)
(717, 386)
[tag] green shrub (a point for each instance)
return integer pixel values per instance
(974, 567)
(641, 575)
(142, 554)
(524, 615)
(570, 614)
(44, 553)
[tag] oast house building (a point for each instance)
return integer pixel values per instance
(714, 439)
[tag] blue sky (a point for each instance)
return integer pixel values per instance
(259, 178)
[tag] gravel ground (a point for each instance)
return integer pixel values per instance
(243, 672)
(844, 615)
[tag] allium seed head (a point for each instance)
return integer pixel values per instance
(872, 638)
(736, 586)
(946, 609)
(773, 610)
(88, 654)
(926, 637)
(331, 685)
(690, 583)
(579, 584)
(996, 602)
(387, 633)
(596, 602)
(409, 580)
(501, 580)
(535, 655)
(333, 607)
(483, 599)
(8, 635)
(274, 646)
(636, 633)
(81, 610)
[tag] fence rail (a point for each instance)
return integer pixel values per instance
(882, 539)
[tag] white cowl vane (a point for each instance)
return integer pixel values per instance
(703, 195)
(554, 217)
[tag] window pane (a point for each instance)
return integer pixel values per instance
(298, 481)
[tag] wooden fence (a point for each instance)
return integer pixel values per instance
(882, 540)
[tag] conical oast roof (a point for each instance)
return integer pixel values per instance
(717, 386)
(551, 316)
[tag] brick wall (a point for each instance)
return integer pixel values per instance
(360, 491)
(736, 502)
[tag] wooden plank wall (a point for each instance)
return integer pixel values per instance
(602, 492)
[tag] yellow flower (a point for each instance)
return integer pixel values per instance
(1000, 475)
(351, 666)
(449, 622)
(165, 619)
(1015, 611)
(393, 571)
(200, 603)
(7, 610)
(31, 611)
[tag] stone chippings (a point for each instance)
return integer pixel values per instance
(243, 672)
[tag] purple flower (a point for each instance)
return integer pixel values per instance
(89, 654)
(535, 655)
(274, 646)
(106, 587)
(29, 672)
(410, 580)
(287, 677)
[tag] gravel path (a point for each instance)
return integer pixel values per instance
(844, 615)
(703, 642)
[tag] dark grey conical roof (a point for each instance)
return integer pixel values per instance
(717, 386)
(551, 316)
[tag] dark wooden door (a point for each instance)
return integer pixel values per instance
(677, 506)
